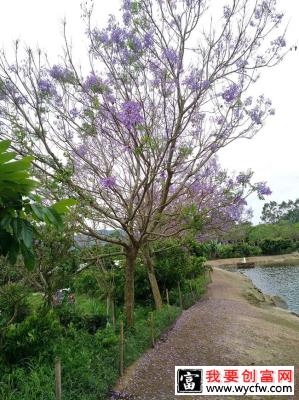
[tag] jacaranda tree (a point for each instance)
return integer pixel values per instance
(167, 87)
(210, 206)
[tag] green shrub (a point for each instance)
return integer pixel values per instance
(85, 283)
(238, 250)
(277, 246)
(13, 303)
(86, 313)
(33, 382)
(194, 267)
(34, 335)
(80, 335)
(170, 262)
(138, 339)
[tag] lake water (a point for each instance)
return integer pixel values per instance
(278, 281)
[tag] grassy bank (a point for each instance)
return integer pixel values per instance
(89, 357)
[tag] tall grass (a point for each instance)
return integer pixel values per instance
(90, 362)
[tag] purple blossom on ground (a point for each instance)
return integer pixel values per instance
(130, 115)
(231, 93)
(46, 87)
(109, 182)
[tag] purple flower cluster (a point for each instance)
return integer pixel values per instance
(60, 73)
(244, 178)
(82, 150)
(101, 36)
(127, 17)
(191, 83)
(260, 61)
(90, 82)
(171, 56)
(241, 63)
(248, 101)
(193, 80)
(220, 120)
(227, 12)
(231, 93)
(148, 40)
(135, 43)
(277, 18)
(46, 87)
(7, 88)
(256, 115)
(74, 112)
(127, 5)
(96, 84)
(205, 84)
(130, 116)
(263, 189)
(118, 36)
(109, 182)
(279, 42)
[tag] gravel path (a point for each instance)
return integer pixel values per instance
(231, 325)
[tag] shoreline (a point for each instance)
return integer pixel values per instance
(268, 299)
(277, 260)
(283, 259)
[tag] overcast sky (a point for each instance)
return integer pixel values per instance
(273, 154)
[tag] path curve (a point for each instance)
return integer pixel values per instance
(231, 325)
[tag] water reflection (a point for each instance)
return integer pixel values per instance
(279, 281)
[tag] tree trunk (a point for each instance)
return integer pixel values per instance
(147, 258)
(131, 255)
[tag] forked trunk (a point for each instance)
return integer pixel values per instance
(148, 261)
(131, 255)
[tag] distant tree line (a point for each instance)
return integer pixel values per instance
(274, 212)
